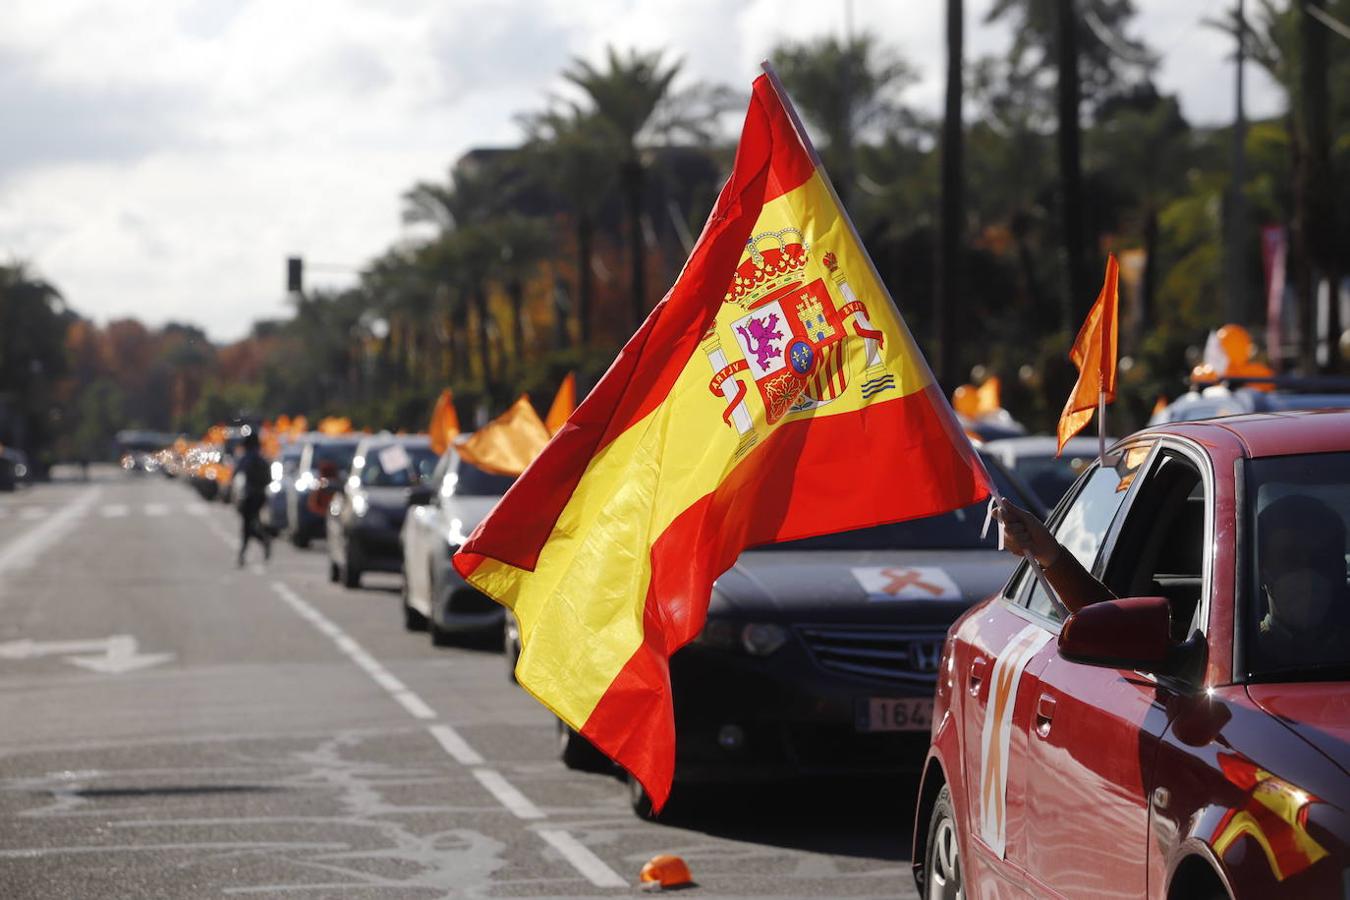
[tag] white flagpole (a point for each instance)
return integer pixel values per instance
(1101, 428)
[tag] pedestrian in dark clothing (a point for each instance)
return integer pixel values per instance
(257, 473)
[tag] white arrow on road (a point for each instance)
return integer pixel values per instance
(118, 653)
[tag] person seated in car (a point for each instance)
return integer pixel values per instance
(1024, 534)
(1301, 565)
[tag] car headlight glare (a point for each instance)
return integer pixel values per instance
(755, 638)
(762, 639)
(360, 505)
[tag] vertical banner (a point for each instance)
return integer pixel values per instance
(1274, 253)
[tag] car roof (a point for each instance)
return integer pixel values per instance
(385, 440)
(1043, 445)
(1270, 433)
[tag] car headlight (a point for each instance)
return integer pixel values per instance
(455, 535)
(360, 505)
(755, 638)
(762, 639)
(306, 482)
(277, 470)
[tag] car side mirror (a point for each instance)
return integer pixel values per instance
(1131, 633)
(420, 495)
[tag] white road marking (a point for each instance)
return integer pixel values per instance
(195, 509)
(455, 745)
(156, 509)
(582, 859)
(113, 511)
(29, 513)
(21, 551)
(507, 795)
(414, 705)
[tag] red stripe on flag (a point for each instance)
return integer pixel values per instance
(794, 486)
(770, 161)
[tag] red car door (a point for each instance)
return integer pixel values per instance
(1094, 732)
(1005, 648)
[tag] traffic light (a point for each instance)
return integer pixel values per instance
(295, 275)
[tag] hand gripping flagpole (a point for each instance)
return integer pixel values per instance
(943, 405)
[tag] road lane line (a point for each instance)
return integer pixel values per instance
(507, 795)
(456, 746)
(582, 859)
(196, 509)
(414, 705)
(23, 550)
(590, 866)
(114, 511)
(156, 509)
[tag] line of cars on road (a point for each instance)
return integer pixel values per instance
(1189, 739)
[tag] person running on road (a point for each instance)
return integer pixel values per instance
(257, 473)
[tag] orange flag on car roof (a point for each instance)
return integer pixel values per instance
(444, 427)
(1094, 353)
(773, 394)
(509, 443)
(564, 404)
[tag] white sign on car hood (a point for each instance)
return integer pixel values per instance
(884, 583)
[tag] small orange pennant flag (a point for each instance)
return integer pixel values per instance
(564, 402)
(989, 396)
(1094, 353)
(444, 427)
(509, 443)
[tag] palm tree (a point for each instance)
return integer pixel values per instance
(632, 101)
(1082, 41)
(843, 89)
(567, 152)
(953, 199)
(523, 243)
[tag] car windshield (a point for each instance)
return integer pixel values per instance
(339, 454)
(956, 530)
(1297, 619)
(471, 481)
(1049, 477)
(397, 465)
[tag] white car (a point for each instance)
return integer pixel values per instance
(445, 509)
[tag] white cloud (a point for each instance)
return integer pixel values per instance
(164, 159)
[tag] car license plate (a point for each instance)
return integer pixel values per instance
(892, 714)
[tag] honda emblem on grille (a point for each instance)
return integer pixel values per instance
(924, 655)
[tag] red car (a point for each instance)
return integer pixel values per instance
(1191, 739)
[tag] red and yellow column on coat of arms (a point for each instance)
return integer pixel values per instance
(793, 332)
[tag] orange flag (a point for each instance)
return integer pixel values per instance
(564, 402)
(774, 394)
(989, 396)
(509, 443)
(444, 427)
(1094, 353)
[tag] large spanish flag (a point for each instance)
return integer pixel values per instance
(773, 394)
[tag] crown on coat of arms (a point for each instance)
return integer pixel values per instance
(770, 272)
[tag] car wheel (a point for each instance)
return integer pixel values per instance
(439, 636)
(942, 861)
(578, 753)
(412, 619)
(639, 799)
(334, 572)
(512, 647)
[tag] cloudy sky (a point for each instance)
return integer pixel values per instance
(162, 159)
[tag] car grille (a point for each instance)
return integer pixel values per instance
(899, 656)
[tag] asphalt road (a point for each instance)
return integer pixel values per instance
(172, 726)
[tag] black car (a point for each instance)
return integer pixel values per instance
(366, 516)
(306, 493)
(819, 657)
